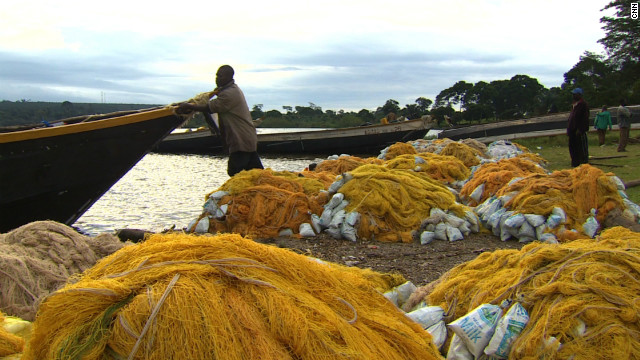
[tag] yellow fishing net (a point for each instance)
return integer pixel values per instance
(9, 343)
(178, 296)
(398, 149)
(285, 180)
(345, 164)
(576, 191)
(262, 203)
(583, 294)
(495, 175)
(393, 202)
(446, 169)
(465, 153)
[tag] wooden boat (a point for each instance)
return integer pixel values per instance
(533, 126)
(58, 172)
(353, 140)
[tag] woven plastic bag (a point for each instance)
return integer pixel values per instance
(477, 327)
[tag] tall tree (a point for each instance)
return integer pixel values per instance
(622, 39)
(454, 95)
(390, 106)
(598, 80)
(423, 105)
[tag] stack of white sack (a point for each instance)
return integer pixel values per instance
(442, 225)
(211, 210)
(631, 210)
(431, 318)
(503, 149)
(401, 293)
(334, 220)
(525, 227)
(485, 333)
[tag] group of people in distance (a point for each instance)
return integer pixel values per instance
(578, 126)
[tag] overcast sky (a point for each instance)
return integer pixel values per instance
(340, 54)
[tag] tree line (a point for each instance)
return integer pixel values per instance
(605, 80)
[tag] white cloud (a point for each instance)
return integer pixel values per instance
(335, 53)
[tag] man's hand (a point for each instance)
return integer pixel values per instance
(185, 108)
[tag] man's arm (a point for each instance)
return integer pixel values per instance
(185, 108)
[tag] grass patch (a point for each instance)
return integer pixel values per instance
(555, 150)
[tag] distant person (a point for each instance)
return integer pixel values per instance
(624, 123)
(601, 123)
(236, 124)
(577, 127)
(553, 108)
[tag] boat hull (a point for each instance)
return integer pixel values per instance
(356, 140)
(58, 173)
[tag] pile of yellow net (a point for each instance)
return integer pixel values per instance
(178, 296)
(576, 191)
(468, 151)
(393, 202)
(262, 203)
(397, 149)
(10, 343)
(446, 169)
(495, 175)
(465, 153)
(582, 295)
(345, 164)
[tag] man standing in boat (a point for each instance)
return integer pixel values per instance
(236, 124)
(577, 128)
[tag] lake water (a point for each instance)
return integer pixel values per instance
(166, 189)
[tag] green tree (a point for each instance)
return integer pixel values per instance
(595, 77)
(366, 115)
(454, 95)
(256, 111)
(411, 111)
(67, 108)
(390, 106)
(423, 105)
(523, 94)
(622, 39)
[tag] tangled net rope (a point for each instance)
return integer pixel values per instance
(495, 175)
(38, 258)
(576, 191)
(394, 202)
(397, 149)
(179, 296)
(9, 343)
(465, 153)
(446, 169)
(262, 203)
(581, 294)
(345, 164)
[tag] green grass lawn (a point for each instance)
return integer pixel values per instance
(555, 150)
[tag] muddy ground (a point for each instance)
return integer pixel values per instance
(418, 263)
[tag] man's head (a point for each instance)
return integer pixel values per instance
(577, 93)
(224, 75)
